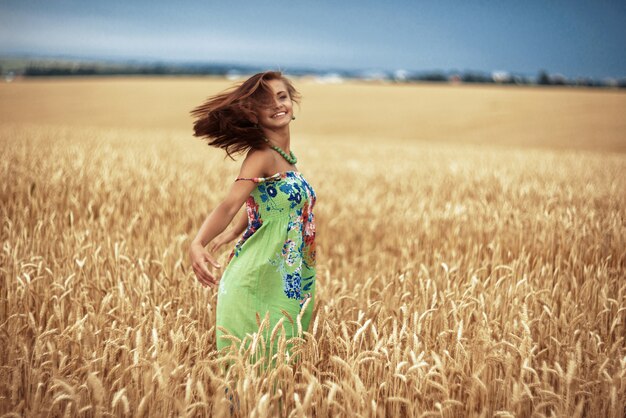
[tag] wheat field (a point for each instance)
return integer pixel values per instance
(471, 253)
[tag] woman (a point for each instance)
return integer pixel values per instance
(271, 269)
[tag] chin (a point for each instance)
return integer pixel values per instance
(283, 123)
(275, 123)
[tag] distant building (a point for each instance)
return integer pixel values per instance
(501, 77)
(329, 78)
(400, 75)
(558, 79)
(372, 75)
(233, 75)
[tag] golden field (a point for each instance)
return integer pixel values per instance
(471, 252)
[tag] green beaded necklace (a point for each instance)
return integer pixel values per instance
(291, 159)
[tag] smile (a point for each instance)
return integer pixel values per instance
(279, 114)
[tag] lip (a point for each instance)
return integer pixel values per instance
(284, 113)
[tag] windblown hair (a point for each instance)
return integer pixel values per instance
(225, 119)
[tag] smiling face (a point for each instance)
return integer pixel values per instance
(278, 113)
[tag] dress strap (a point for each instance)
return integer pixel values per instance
(261, 179)
(254, 179)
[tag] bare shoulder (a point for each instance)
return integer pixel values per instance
(256, 163)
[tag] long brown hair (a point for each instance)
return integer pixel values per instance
(226, 118)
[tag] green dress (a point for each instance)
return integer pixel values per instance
(271, 269)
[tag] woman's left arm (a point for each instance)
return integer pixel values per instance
(233, 232)
(240, 225)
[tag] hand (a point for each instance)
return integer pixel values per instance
(199, 258)
(220, 240)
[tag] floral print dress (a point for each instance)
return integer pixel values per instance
(272, 266)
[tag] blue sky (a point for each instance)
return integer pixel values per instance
(574, 38)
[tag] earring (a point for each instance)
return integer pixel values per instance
(293, 117)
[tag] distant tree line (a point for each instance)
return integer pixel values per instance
(543, 78)
(52, 68)
(34, 70)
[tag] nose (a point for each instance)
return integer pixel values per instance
(276, 102)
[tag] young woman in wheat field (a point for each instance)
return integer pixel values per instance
(271, 269)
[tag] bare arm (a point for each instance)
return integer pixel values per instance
(241, 224)
(229, 235)
(222, 215)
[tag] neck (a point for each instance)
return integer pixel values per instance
(279, 137)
